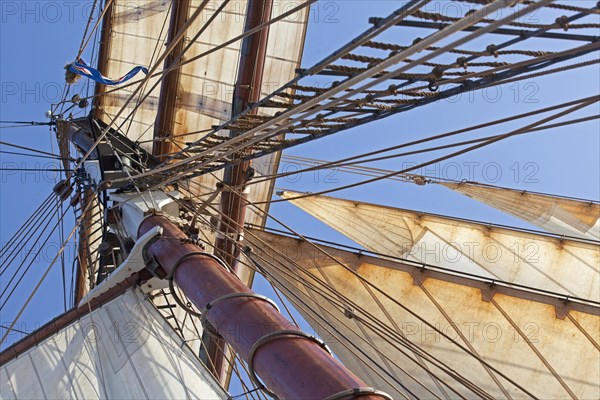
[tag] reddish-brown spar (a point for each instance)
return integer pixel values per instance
(293, 367)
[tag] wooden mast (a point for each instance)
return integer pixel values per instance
(163, 128)
(291, 364)
(82, 278)
(233, 201)
(247, 90)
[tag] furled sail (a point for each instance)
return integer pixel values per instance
(560, 215)
(422, 333)
(562, 265)
(124, 349)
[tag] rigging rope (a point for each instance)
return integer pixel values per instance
(451, 155)
(329, 256)
(15, 242)
(349, 161)
(35, 256)
(178, 65)
(321, 250)
(238, 138)
(36, 288)
(85, 42)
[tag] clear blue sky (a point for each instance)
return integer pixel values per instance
(38, 38)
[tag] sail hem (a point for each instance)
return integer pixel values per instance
(66, 318)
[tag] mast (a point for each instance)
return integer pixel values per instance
(104, 51)
(247, 90)
(163, 129)
(292, 364)
(233, 205)
(84, 259)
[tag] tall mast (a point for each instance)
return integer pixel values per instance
(291, 364)
(233, 205)
(84, 259)
(163, 128)
(247, 90)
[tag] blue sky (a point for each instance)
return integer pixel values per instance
(38, 38)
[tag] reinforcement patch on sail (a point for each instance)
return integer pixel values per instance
(123, 350)
(547, 262)
(422, 333)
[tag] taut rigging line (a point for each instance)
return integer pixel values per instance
(451, 155)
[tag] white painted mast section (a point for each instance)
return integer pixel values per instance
(548, 347)
(133, 263)
(553, 214)
(123, 350)
(561, 265)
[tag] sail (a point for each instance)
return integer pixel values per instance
(133, 33)
(562, 265)
(124, 349)
(419, 333)
(191, 99)
(204, 93)
(564, 216)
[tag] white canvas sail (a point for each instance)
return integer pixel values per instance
(205, 92)
(136, 37)
(562, 265)
(553, 214)
(139, 31)
(393, 324)
(125, 349)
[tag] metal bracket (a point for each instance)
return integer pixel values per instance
(208, 328)
(135, 262)
(187, 306)
(269, 337)
(150, 261)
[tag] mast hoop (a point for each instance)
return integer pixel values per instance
(209, 328)
(170, 277)
(185, 307)
(198, 253)
(352, 393)
(274, 336)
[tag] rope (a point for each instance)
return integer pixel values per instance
(36, 288)
(312, 132)
(85, 42)
(560, 22)
(395, 47)
(328, 287)
(376, 60)
(551, 5)
(348, 160)
(257, 139)
(34, 221)
(378, 372)
(451, 155)
(380, 107)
